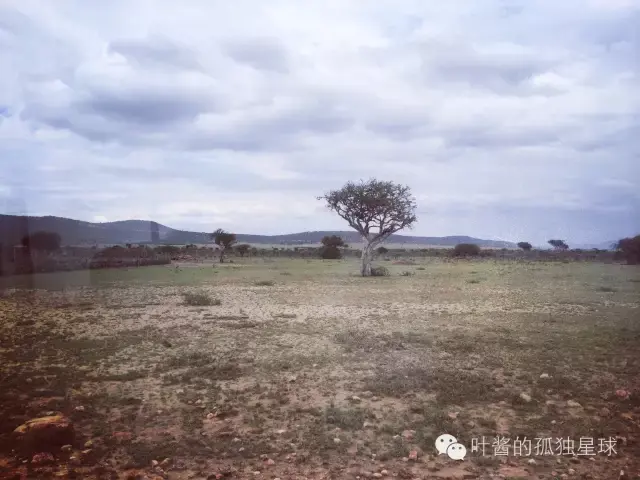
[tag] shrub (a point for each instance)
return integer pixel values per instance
(382, 250)
(629, 249)
(330, 252)
(526, 246)
(407, 273)
(379, 271)
(466, 250)
(264, 283)
(199, 299)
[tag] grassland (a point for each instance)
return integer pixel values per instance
(301, 369)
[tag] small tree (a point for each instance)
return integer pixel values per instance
(42, 241)
(629, 249)
(382, 250)
(333, 241)
(224, 240)
(558, 244)
(466, 250)
(526, 246)
(375, 209)
(330, 249)
(242, 249)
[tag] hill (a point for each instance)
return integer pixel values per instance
(77, 232)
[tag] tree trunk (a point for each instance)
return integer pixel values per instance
(221, 256)
(365, 267)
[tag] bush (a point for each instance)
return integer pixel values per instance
(379, 272)
(330, 252)
(264, 283)
(200, 299)
(629, 249)
(407, 273)
(466, 250)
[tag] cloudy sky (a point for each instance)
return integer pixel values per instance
(515, 120)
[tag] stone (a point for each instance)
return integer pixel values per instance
(166, 462)
(337, 440)
(526, 397)
(531, 461)
(367, 424)
(355, 399)
(605, 412)
(384, 472)
(210, 416)
(573, 404)
(66, 448)
(377, 475)
(544, 375)
(45, 434)
(413, 455)
(121, 437)
(269, 461)
(154, 463)
(43, 458)
(88, 444)
(571, 471)
(80, 408)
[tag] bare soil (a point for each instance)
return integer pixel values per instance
(302, 369)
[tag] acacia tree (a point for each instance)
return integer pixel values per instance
(558, 244)
(526, 246)
(224, 240)
(375, 209)
(243, 248)
(382, 250)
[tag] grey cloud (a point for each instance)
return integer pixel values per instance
(156, 51)
(259, 53)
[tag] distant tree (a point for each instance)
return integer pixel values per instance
(466, 250)
(526, 246)
(224, 240)
(558, 244)
(375, 209)
(128, 245)
(254, 251)
(42, 241)
(382, 250)
(331, 245)
(242, 249)
(629, 249)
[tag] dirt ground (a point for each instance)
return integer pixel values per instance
(301, 369)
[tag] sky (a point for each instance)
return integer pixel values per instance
(514, 120)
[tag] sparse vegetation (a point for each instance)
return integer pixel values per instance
(199, 299)
(526, 246)
(629, 249)
(264, 283)
(380, 271)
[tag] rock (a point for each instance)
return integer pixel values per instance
(88, 444)
(367, 424)
(408, 434)
(604, 412)
(553, 422)
(367, 394)
(45, 434)
(356, 399)
(180, 391)
(337, 440)
(210, 416)
(236, 440)
(374, 399)
(377, 475)
(66, 448)
(257, 472)
(80, 408)
(571, 471)
(292, 379)
(413, 455)
(121, 437)
(269, 461)
(531, 461)
(526, 397)
(384, 472)
(281, 431)
(154, 463)
(573, 404)
(198, 402)
(166, 462)
(623, 394)
(452, 415)
(544, 375)
(43, 458)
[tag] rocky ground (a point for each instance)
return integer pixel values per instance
(298, 369)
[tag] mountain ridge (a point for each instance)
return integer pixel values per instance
(79, 232)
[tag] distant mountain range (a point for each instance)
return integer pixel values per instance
(77, 232)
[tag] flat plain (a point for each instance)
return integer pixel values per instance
(302, 369)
